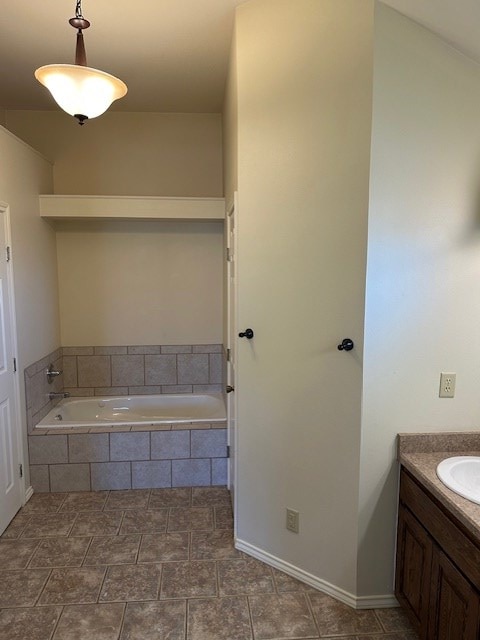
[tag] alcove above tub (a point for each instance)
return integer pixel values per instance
(138, 270)
(64, 207)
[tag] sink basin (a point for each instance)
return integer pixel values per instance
(462, 475)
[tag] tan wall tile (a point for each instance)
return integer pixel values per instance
(160, 370)
(192, 368)
(69, 477)
(128, 370)
(94, 371)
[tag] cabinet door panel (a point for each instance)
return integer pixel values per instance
(454, 606)
(414, 560)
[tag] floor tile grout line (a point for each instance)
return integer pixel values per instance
(138, 547)
(379, 620)
(108, 492)
(159, 588)
(37, 600)
(57, 623)
(27, 565)
(86, 551)
(275, 584)
(217, 576)
(248, 595)
(122, 519)
(102, 583)
(138, 601)
(250, 617)
(61, 504)
(120, 629)
(21, 530)
(142, 538)
(73, 524)
(312, 613)
(168, 519)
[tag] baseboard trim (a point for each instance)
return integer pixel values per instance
(356, 602)
(28, 493)
(376, 602)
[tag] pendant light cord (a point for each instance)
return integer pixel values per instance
(78, 9)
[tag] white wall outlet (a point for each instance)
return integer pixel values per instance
(447, 385)
(293, 520)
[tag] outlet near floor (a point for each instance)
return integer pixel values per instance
(293, 520)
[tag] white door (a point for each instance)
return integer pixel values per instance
(10, 483)
(231, 341)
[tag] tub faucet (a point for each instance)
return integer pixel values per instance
(62, 394)
(51, 373)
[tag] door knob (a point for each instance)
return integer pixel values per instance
(229, 388)
(248, 333)
(346, 345)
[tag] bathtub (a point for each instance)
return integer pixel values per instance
(135, 410)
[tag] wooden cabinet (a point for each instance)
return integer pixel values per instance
(438, 567)
(414, 563)
(454, 603)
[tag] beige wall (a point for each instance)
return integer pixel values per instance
(173, 273)
(423, 301)
(230, 127)
(304, 122)
(230, 156)
(23, 175)
(146, 154)
(140, 282)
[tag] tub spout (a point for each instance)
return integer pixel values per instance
(63, 394)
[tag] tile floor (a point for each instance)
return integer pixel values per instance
(157, 565)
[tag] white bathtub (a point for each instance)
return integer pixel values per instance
(133, 410)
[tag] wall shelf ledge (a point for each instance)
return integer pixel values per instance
(72, 207)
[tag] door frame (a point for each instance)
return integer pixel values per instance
(5, 209)
(232, 209)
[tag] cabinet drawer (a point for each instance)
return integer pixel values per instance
(452, 539)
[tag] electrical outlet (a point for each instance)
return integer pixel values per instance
(447, 385)
(293, 520)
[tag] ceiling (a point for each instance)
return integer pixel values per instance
(172, 54)
(456, 21)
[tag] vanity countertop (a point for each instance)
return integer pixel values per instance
(420, 453)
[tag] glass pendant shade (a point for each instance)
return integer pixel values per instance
(80, 90)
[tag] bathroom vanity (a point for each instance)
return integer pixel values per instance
(438, 541)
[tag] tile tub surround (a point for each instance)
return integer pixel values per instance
(135, 457)
(420, 453)
(151, 565)
(37, 387)
(122, 371)
(143, 369)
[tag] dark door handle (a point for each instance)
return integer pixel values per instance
(229, 388)
(347, 345)
(248, 333)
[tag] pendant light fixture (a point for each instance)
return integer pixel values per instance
(81, 91)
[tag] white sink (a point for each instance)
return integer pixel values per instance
(462, 475)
